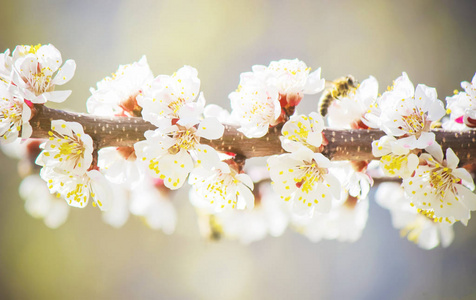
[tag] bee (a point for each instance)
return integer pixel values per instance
(337, 89)
(210, 226)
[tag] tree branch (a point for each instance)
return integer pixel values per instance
(343, 144)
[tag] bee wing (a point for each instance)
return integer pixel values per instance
(329, 84)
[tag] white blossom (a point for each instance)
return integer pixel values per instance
(76, 189)
(119, 166)
(37, 70)
(256, 107)
(264, 94)
(5, 66)
(176, 96)
(221, 188)
(407, 113)
(395, 160)
(356, 182)
(222, 115)
(302, 131)
(68, 148)
(293, 77)
(172, 151)
(116, 95)
(440, 190)
(421, 229)
(462, 108)
(15, 114)
(303, 178)
(67, 166)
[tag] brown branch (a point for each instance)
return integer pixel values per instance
(343, 144)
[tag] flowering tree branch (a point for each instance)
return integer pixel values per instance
(146, 136)
(343, 144)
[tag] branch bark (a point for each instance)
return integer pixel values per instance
(343, 144)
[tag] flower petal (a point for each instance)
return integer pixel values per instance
(101, 190)
(65, 73)
(451, 159)
(210, 128)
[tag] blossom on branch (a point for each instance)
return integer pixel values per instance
(36, 70)
(67, 166)
(256, 107)
(267, 96)
(221, 188)
(172, 151)
(172, 97)
(5, 66)
(302, 131)
(353, 177)
(303, 178)
(116, 95)
(120, 166)
(76, 189)
(462, 108)
(68, 148)
(14, 114)
(440, 190)
(407, 113)
(395, 160)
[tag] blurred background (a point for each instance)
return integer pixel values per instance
(434, 41)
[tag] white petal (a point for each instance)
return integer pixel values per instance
(465, 176)
(409, 142)
(469, 198)
(55, 96)
(314, 138)
(210, 128)
(251, 131)
(314, 83)
(334, 185)
(61, 126)
(451, 159)
(65, 73)
(412, 162)
(175, 168)
(426, 139)
(247, 196)
(207, 156)
(404, 85)
(435, 151)
(245, 179)
(288, 145)
(101, 190)
(26, 130)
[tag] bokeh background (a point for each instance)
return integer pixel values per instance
(433, 41)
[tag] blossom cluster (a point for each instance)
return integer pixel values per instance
(432, 186)
(234, 197)
(29, 76)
